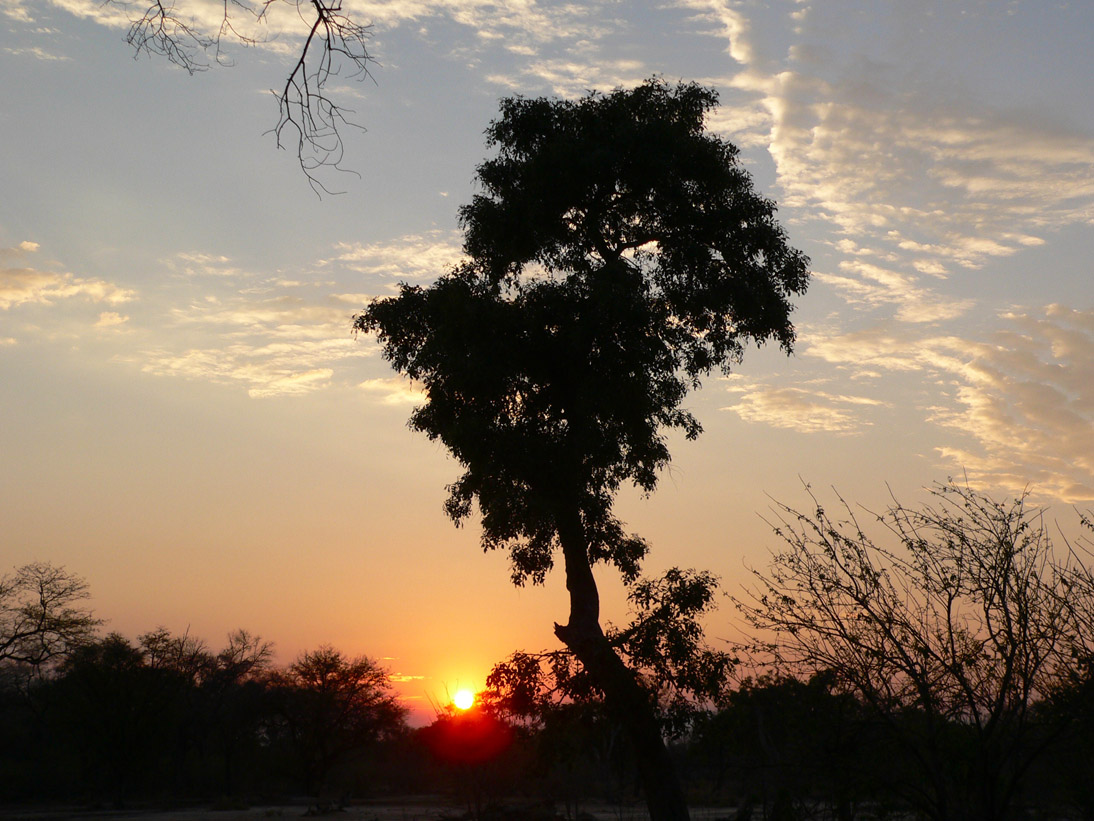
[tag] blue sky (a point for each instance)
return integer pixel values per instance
(186, 420)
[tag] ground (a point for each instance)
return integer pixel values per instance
(411, 810)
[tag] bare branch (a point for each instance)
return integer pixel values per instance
(309, 121)
(309, 118)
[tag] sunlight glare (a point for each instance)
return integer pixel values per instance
(463, 699)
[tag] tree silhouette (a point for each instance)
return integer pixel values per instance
(950, 637)
(41, 614)
(617, 253)
(331, 708)
(663, 644)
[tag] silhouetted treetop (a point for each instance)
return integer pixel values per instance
(616, 253)
(42, 615)
(579, 186)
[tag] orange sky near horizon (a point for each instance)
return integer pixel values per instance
(188, 422)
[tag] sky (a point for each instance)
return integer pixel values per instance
(188, 423)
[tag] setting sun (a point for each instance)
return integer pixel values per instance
(463, 699)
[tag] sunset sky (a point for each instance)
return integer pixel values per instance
(187, 422)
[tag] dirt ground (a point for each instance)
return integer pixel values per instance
(410, 810)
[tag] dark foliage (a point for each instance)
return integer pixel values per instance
(165, 719)
(616, 255)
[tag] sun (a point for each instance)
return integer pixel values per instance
(463, 699)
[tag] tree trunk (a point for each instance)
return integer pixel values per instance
(626, 701)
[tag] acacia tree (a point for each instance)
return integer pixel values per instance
(41, 614)
(616, 254)
(952, 636)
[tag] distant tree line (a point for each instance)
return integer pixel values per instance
(942, 673)
(166, 719)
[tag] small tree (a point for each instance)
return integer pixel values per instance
(617, 253)
(951, 636)
(332, 708)
(42, 616)
(663, 644)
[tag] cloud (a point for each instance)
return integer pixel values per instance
(111, 319)
(726, 22)
(197, 263)
(394, 391)
(574, 75)
(515, 23)
(276, 336)
(414, 256)
(293, 384)
(874, 285)
(1018, 403)
(401, 678)
(263, 370)
(37, 53)
(971, 187)
(276, 345)
(490, 19)
(920, 177)
(204, 16)
(800, 409)
(28, 285)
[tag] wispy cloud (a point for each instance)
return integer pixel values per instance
(197, 263)
(490, 19)
(38, 53)
(413, 256)
(866, 283)
(806, 410)
(573, 75)
(1020, 400)
(394, 391)
(515, 23)
(31, 285)
(402, 678)
(921, 181)
(276, 344)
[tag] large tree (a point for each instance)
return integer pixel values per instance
(616, 254)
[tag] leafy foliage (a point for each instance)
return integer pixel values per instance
(617, 253)
(663, 643)
(331, 707)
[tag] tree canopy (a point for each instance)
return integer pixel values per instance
(42, 616)
(616, 253)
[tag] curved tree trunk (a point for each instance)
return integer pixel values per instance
(626, 701)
